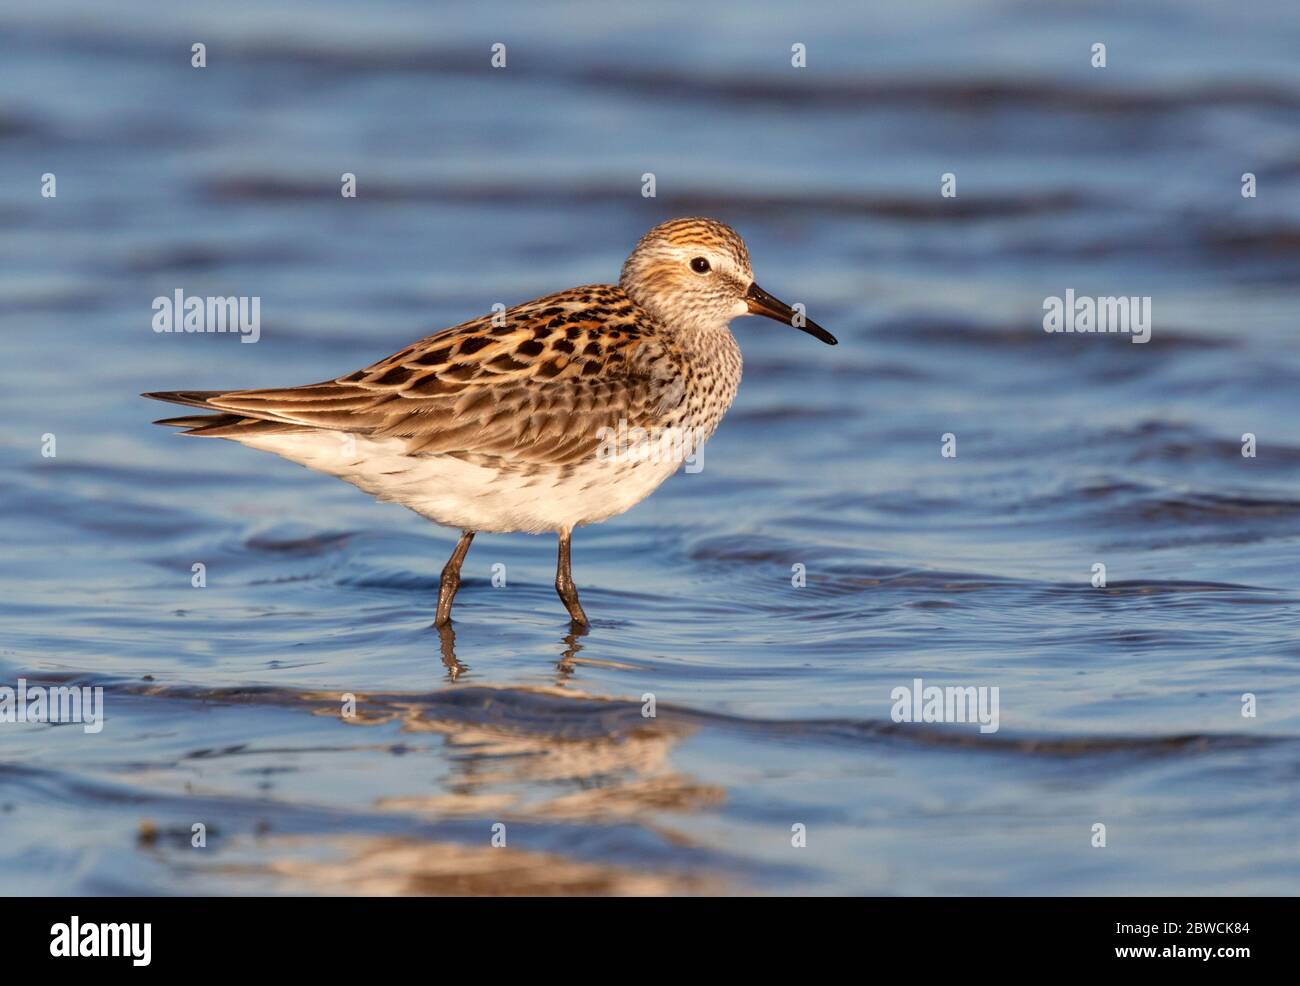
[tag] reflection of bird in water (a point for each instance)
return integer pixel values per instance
(594, 758)
(369, 866)
(571, 648)
(447, 644)
(455, 667)
(553, 765)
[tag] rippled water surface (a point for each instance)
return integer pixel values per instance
(1119, 705)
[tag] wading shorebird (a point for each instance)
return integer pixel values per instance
(502, 424)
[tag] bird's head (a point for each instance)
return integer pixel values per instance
(696, 272)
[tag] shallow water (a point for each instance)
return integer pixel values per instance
(1119, 705)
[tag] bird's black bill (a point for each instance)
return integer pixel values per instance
(762, 303)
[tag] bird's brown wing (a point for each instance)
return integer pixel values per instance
(534, 383)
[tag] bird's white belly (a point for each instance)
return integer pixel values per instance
(467, 496)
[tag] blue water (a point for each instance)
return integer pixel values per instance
(1119, 706)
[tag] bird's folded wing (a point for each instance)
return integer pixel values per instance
(537, 383)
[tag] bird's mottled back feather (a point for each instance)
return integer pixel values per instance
(532, 384)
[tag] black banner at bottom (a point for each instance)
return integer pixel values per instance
(141, 936)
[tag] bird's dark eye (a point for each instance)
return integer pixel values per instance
(700, 265)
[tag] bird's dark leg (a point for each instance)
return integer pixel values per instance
(451, 579)
(564, 582)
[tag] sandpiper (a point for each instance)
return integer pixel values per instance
(499, 424)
